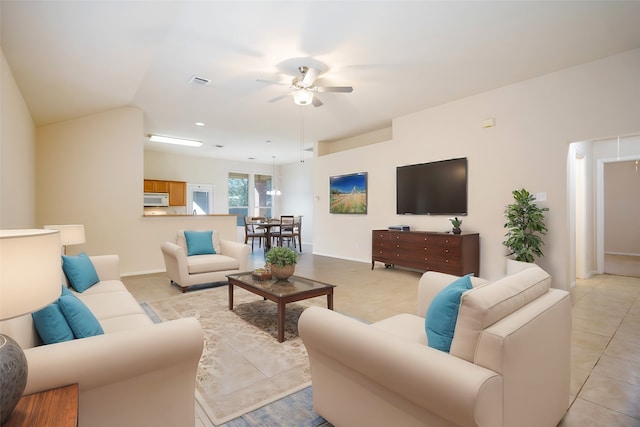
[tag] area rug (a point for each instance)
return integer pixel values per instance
(243, 366)
(293, 410)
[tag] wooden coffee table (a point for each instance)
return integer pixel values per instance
(295, 288)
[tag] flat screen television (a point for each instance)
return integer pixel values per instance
(434, 188)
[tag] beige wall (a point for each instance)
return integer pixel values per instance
(17, 156)
(535, 122)
(90, 171)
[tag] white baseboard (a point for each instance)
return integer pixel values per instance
(140, 273)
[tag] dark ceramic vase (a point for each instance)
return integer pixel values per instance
(13, 375)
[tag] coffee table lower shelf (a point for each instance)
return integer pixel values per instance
(282, 292)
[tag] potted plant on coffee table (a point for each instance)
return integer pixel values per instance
(282, 262)
(525, 227)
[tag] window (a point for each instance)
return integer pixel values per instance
(255, 203)
(262, 202)
(239, 195)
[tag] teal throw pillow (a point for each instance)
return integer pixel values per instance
(51, 325)
(81, 320)
(80, 271)
(442, 315)
(199, 242)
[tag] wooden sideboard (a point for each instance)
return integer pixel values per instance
(457, 254)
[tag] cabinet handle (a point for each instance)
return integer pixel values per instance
(446, 251)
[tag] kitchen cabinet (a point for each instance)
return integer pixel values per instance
(177, 193)
(177, 190)
(154, 186)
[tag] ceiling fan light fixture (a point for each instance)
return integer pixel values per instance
(303, 97)
(177, 141)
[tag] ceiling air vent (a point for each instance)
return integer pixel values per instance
(199, 81)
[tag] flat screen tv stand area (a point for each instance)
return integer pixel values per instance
(456, 254)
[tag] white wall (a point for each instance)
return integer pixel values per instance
(17, 156)
(535, 122)
(294, 180)
(199, 170)
(297, 195)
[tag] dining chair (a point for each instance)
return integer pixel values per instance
(287, 229)
(252, 231)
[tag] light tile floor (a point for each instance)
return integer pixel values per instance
(605, 365)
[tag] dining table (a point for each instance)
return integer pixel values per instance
(267, 226)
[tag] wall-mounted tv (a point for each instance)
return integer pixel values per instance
(434, 188)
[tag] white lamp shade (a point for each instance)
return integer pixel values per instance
(29, 271)
(72, 234)
(302, 97)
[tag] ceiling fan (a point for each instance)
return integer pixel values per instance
(304, 90)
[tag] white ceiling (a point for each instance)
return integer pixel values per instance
(74, 58)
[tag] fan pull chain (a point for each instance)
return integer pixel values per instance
(301, 136)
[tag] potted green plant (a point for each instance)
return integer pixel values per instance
(525, 226)
(456, 225)
(282, 261)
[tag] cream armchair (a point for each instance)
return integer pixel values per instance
(230, 257)
(508, 364)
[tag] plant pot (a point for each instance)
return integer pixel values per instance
(282, 273)
(457, 230)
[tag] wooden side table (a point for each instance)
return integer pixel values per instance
(57, 407)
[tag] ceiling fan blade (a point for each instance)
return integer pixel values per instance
(309, 77)
(344, 89)
(316, 101)
(278, 98)
(272, 82)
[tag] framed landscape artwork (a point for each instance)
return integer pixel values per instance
(348, 194)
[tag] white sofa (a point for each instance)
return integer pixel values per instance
(136, 374)
(509, 363)
(230, 257)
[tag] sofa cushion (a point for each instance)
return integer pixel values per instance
(404, 325)
(109, 305)
(199, 243)
(442, 314)
(82, 322)
(483, 306)
(51, 325)
(80, 271)
(207, 263)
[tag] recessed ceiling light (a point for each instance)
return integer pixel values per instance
(177, 141)
(199, 124)
(251, 158)
(219, 146)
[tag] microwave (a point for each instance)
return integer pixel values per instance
(156, 199)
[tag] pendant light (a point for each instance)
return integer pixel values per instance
(274, 190)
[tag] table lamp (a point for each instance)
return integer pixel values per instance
(29, 281)
(72, 234)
